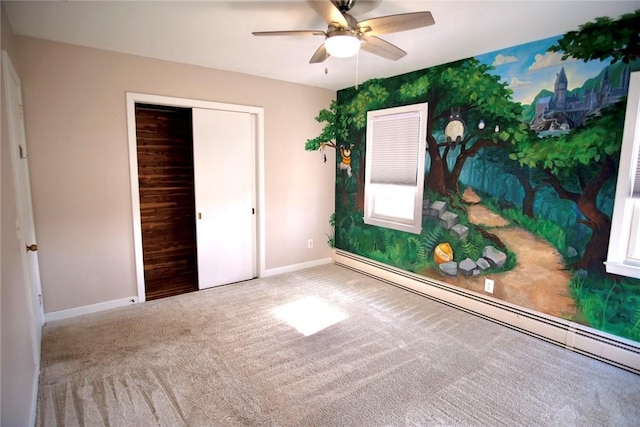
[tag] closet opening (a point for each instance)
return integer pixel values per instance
(197, 193)
(164, 139)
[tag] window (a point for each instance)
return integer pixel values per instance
(394, 174)
(624, 243)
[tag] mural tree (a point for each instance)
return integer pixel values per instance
(577, 165)
(335, 129)
(594, 148)
(350, 118)
(604, 38)
(479, 99)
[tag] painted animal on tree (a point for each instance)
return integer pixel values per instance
(345, 163)
(454, 130)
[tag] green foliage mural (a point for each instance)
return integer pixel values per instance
(521, 189)
(603, 38)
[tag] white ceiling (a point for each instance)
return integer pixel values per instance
(217, 34)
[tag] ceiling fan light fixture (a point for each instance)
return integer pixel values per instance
(342, 45)
(345, 35)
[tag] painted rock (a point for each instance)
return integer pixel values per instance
(443, 253)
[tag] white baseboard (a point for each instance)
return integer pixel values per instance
(87, 309)
(582, 339)
(296, 267)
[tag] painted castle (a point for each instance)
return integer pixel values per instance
(563, 110)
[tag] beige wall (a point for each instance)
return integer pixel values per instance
(75, 117)
(19, 369)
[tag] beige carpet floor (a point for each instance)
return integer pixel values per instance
(230, 356)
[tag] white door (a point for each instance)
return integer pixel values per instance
(224, 172)
(20, 165)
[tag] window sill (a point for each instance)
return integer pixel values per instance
(623, 269)
(409, 228)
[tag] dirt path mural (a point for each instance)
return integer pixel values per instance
(539, 281)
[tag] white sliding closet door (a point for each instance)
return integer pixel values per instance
(224, 171)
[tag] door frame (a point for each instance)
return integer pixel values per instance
(258, 113)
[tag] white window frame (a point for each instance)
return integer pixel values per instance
(396, 205)
(623, 257)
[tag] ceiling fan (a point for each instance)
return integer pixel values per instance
(345, 35)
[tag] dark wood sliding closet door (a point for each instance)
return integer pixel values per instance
(167, 201)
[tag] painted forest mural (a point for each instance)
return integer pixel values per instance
(523, 146)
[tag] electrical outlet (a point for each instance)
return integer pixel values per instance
(310, 243)
(488, 285)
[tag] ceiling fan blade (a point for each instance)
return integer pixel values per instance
(382, 48)
(320, 55)
(329, 12)
(396, 23)
(290, 33)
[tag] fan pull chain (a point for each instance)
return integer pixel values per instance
(326, 59)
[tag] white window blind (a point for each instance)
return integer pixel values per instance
(394, 174)
(395, 149)
(636, 179)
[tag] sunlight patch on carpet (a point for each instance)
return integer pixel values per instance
(308, 315)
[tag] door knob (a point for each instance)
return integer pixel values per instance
(32, 247)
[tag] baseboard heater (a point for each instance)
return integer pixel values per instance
(599, 345)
